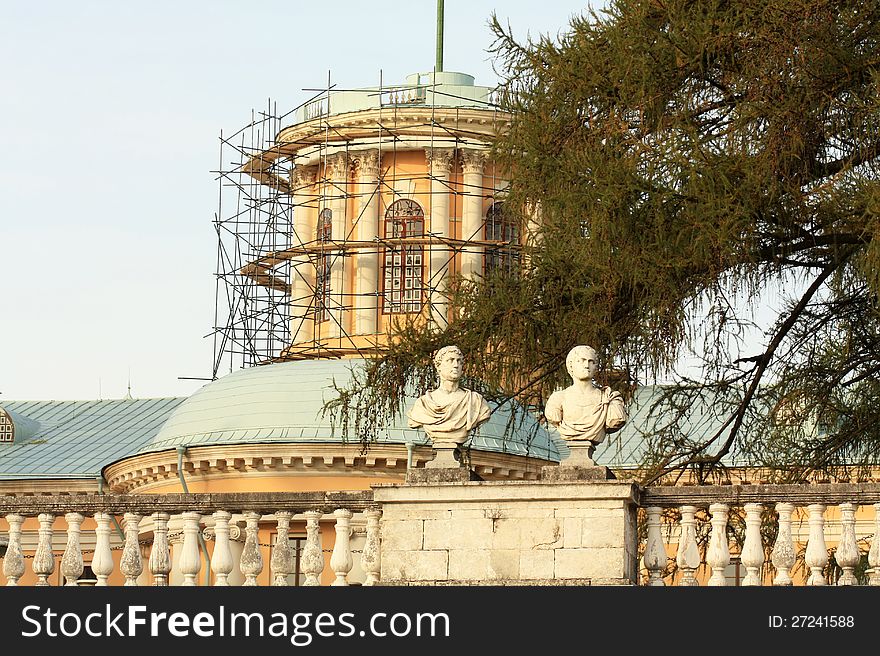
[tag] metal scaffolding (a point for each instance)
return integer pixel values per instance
(277, 282)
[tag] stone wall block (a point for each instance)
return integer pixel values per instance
(402, 534)
(536, 564)
(503, 564)
(541, 534)
(474, 533)
(572, 532)
(468, 565)
(603, 533)
(590, 563)
(415, 566)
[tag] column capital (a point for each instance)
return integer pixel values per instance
(337, 167)
(440, 160)
(473, 161)
(367, 162)
(304, 176)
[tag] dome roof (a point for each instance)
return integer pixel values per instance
(283, 402)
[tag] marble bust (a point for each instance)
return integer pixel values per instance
(450, 412)
(585, 413)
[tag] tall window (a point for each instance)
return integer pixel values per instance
(500, 228)
(325, 263)
(403, 273)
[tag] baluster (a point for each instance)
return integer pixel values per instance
(160, 553)
(847, 553)
(282, 556)
(874, 553)
(340, 560)
(251, 559)
(190, 559)
(72, 560)
(102, 559)
(13, 561)
(131, 564)
(312, 558)
(782, 556)
(688, 556)
(655, 551)
(221, 560)
(371, 558)
(752, 556)
(44, 558)
(718, 556)
(817, 552)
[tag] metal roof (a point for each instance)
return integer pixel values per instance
(283, 402)
(75, 439)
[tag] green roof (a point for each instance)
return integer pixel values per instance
(75, 439)
(283, 402)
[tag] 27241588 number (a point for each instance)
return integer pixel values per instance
(812, 621)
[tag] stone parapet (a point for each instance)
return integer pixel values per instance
(529, 533)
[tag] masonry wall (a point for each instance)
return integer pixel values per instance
(504, 533)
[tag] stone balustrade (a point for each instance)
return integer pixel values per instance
(475, 532)
(141, 525)
(752, 535)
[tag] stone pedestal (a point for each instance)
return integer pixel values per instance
(509, 533)
(444, 456)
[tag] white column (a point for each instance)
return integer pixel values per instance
(655, 550)
(783, 557)
(874, 552)
(302, 270)
(366, 229)
(752, 556)
(160, 553)
(847, 553)
(340, 560)
(439, 164)
(190, 559)
(44, 558)
(251, 563)
(221, 559)
(102, 559)
(131, 564)
(371, 558)
(312, 559)
(282, 557)
(337, 190)
(817, 551)
(13, 561)
(718, 555)
(72, 560)
(472, 219)
(688, 555)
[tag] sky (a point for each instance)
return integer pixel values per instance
(110, 117)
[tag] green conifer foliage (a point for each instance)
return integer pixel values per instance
(681, 154)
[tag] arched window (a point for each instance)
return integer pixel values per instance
(402, 267)
(499, 228)
(324, 264)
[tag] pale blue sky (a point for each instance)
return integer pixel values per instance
(110, 114)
